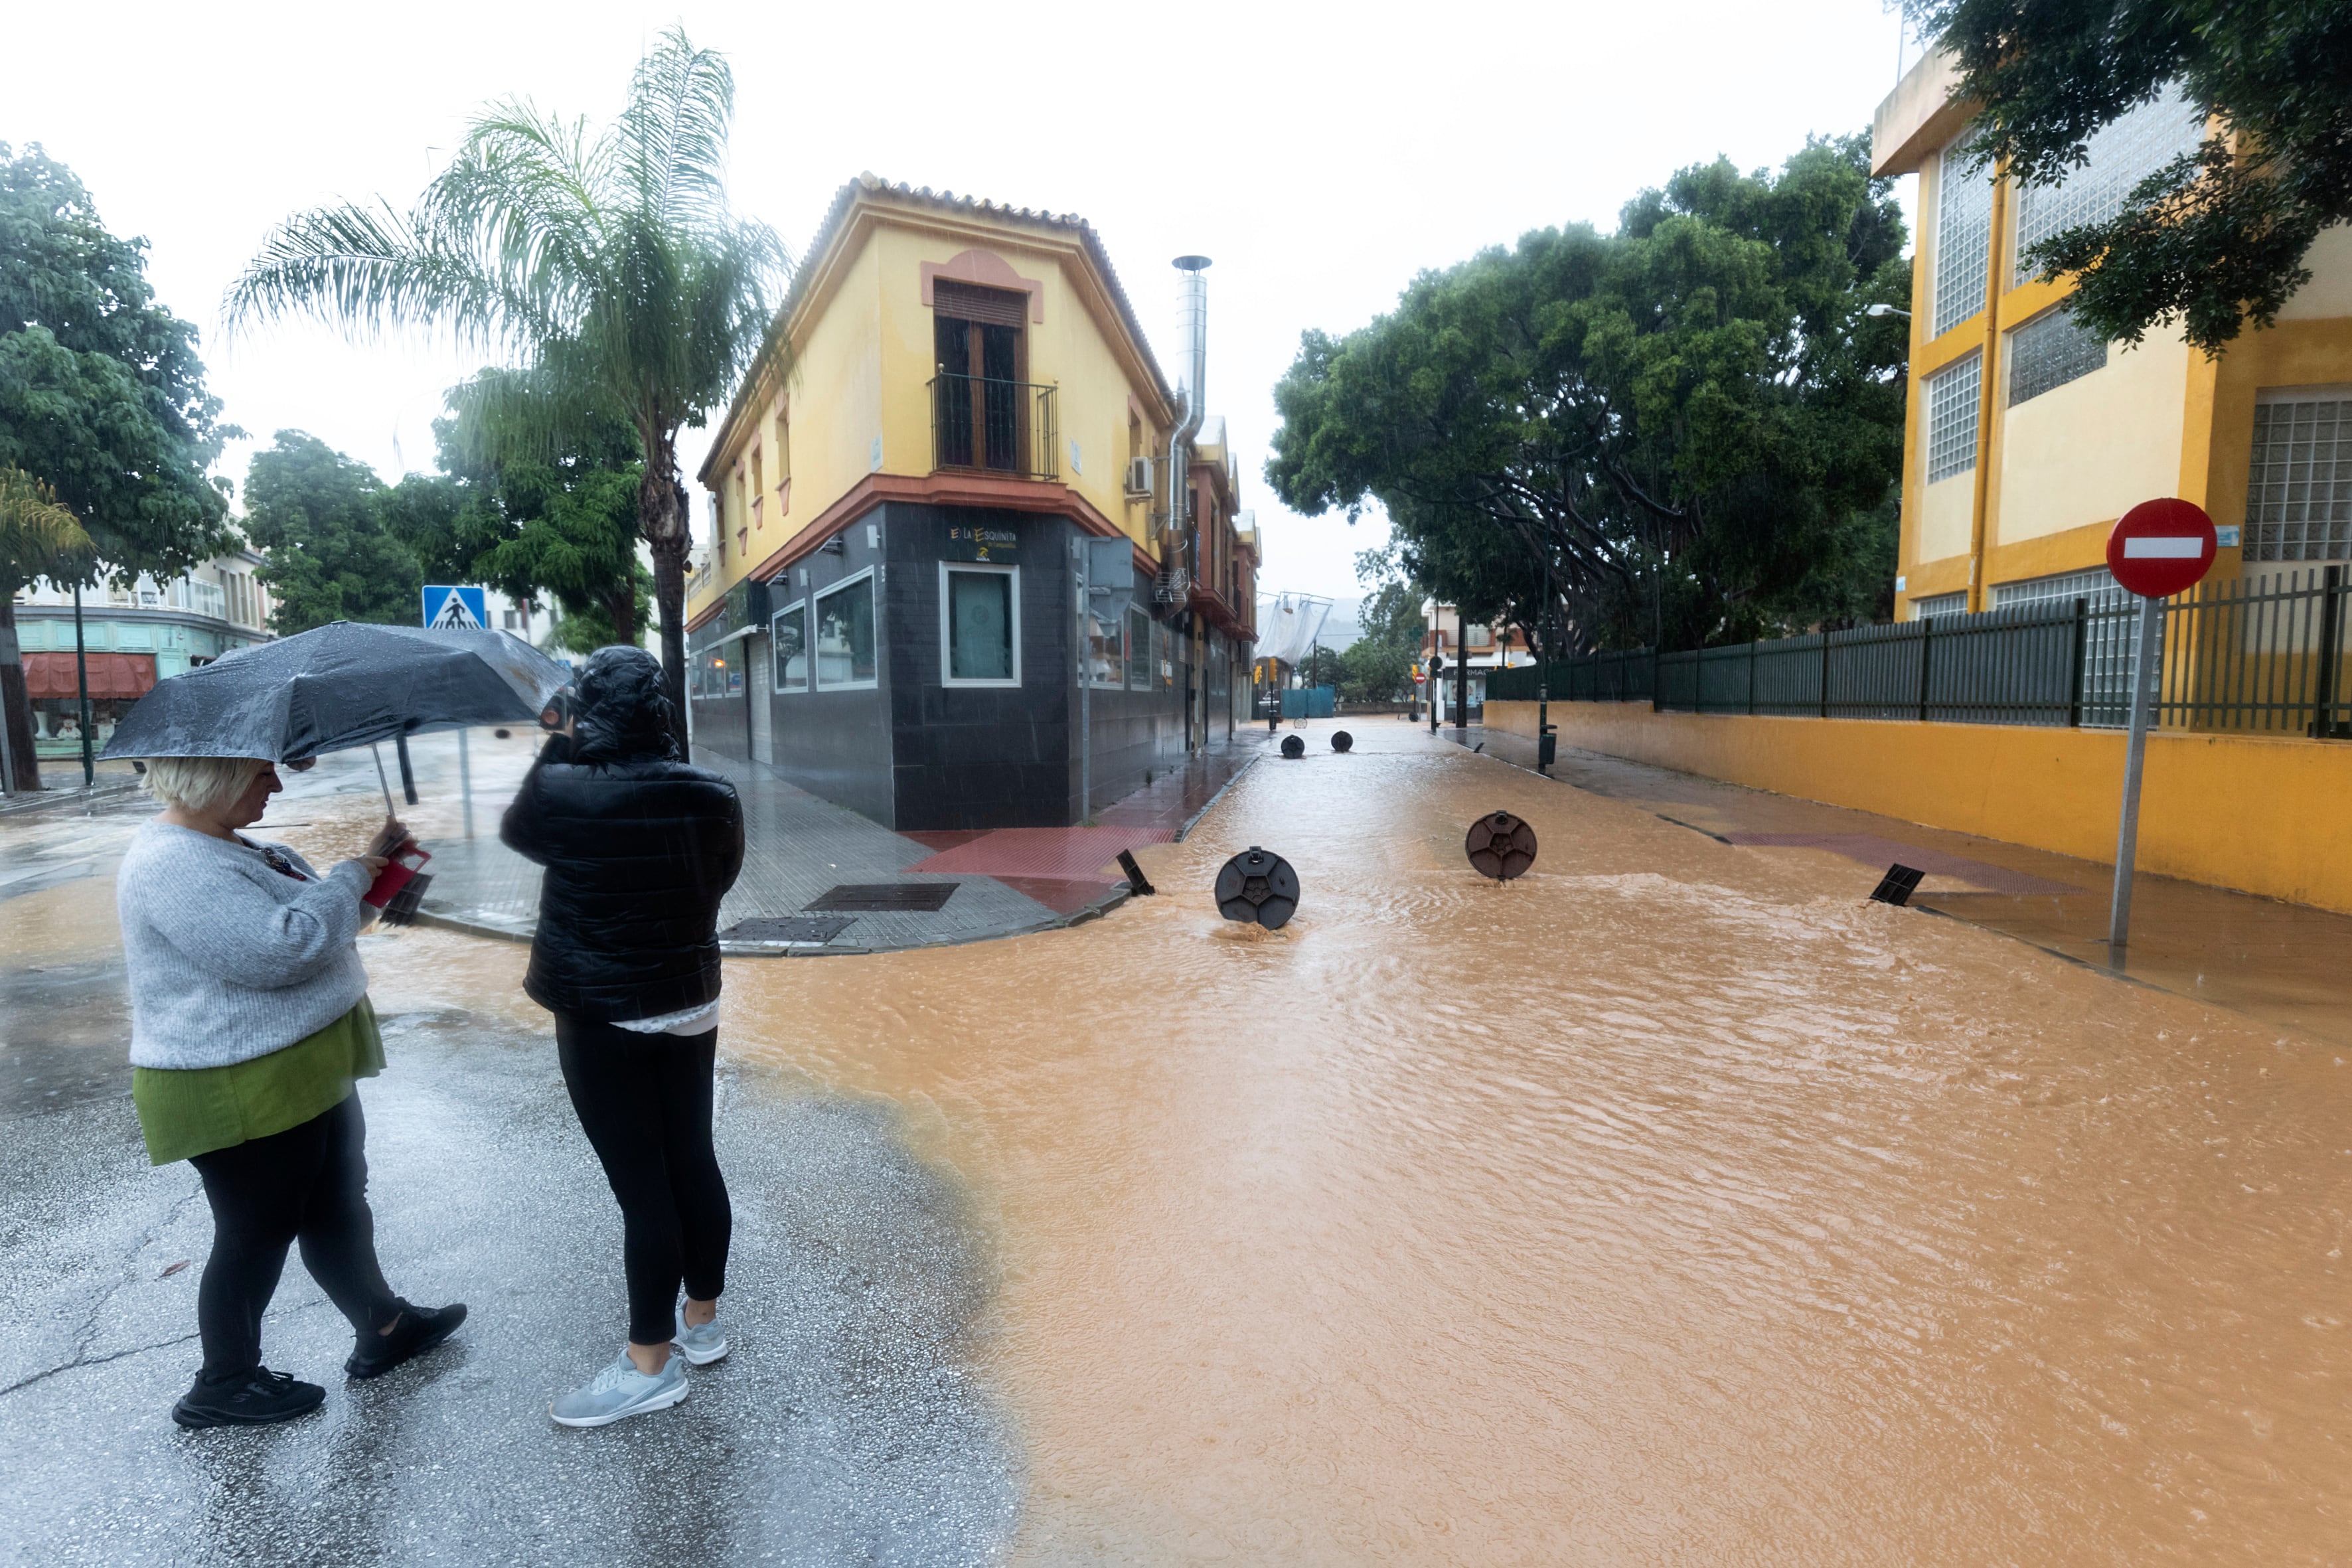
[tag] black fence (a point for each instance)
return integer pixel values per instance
(2265, 655)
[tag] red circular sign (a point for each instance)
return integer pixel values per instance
(2161, 548)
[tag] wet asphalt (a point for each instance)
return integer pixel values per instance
(849, 1425)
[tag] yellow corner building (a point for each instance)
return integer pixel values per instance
(2027, 437)
(972, 485)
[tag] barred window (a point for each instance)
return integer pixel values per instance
(1939, 604)
(1952, 419)
(1963, 241)
(2098, 584)
(2122, 153)
(2050, 351)
(2299, 490)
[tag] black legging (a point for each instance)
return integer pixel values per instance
(308, 1184)
(645, 1102)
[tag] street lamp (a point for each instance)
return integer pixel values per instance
(1881, 311)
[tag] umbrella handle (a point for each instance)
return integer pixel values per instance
(378, 753)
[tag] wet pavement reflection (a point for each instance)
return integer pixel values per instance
(1670, 1205)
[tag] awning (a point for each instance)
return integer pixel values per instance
(111, 675)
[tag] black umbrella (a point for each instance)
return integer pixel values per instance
(336, 687)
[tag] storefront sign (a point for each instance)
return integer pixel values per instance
(967, 543)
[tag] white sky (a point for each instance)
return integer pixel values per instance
(1328, 151)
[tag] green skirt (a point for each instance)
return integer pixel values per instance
(185, 1111)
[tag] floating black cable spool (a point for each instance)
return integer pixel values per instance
(1500, 846)
(1897, 885)
(1258, 886)
(1341, 741)
(1292, 747)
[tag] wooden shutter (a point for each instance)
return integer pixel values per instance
(968, 303)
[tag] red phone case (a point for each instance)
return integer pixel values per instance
(396, 875)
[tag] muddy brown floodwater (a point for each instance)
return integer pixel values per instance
(1672, 1205)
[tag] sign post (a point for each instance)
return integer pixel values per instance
(2158, 549)
(449, 605)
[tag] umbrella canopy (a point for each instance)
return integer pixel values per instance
(339, 686)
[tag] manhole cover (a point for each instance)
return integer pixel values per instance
(883, 896)
(787, 928)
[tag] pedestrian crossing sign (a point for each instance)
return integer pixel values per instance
(449, 607)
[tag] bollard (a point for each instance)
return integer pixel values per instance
(1257, 886)
(1500, 846)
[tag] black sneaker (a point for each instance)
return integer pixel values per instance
(252, 1399)
(418, 1331)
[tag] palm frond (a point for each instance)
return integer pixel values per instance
(671, 139)
(38, 536)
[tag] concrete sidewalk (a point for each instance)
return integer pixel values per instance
(803, 853)
(2284, 963)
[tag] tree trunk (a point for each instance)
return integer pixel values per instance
(661, 512)
(15, 700)
(621, 604)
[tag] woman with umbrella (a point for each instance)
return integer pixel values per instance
(249, 1029)
(249, 1017)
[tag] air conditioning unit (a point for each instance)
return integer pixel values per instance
(1139, 475)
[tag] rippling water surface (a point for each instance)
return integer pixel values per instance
(1670, 1205)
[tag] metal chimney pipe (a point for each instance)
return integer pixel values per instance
(1192, 329)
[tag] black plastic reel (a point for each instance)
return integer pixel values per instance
(1292, 747)
(1258, 886)
(1500, 846)
(1342, 741)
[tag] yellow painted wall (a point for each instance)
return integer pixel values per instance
(1943, 526)
(2050, 788)
(2091, 449)
(2329, 293)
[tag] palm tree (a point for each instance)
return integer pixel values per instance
(38, 537)
(609, 267)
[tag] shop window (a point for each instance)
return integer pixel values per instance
(844, 635)
(1952, 419)
(788, 633)
(1107, 654)
(1139, 650)
(980, 625)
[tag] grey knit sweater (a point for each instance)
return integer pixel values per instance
(230, 960)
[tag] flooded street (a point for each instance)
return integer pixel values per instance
(1672, 1205)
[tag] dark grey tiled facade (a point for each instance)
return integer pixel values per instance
(916, 753)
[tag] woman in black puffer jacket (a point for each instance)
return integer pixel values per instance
(639, 849)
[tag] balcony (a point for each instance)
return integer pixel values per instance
(981, 425)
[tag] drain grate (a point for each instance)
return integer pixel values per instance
(883, 897)
(786, 928)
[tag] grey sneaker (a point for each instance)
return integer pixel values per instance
(619, 1392)
(703, 1345)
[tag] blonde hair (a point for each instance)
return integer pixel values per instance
(202, 783)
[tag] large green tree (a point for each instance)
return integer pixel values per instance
(531, 521)
(1681, 429)
(319, 516)
(102, 402)
(610, 266)
(2216, 238)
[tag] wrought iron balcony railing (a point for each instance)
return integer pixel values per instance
(993, 427)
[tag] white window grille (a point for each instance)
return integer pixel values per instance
(1952, 418)
(206, 598)
(2299, 488)
(2050, 351)
(2121, 154)
(1939, 604)
(1963, 240)
(2098, 584)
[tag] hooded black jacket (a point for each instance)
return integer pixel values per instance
(639, 849)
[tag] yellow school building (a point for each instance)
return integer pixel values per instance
(2027, 436)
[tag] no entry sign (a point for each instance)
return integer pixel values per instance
(2161, 548)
